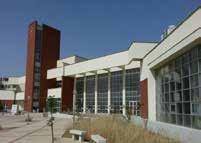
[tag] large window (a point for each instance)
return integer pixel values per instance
(79, 94)
(90, 94)
(179, 90)
(116, 87)
(102, 93)
(133, 91)
(116, 92)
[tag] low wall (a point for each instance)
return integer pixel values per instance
(184, 134)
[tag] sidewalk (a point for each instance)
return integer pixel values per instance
(36, 132)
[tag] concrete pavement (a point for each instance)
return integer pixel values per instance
(16, 130)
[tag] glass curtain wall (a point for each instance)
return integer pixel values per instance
(179, 90)
(102, 93)
(133, 91)
(79, 94)
(116, 81)
(116, 92)
(90, 94)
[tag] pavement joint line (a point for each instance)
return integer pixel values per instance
(27, 134)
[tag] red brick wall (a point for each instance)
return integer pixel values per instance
(30, 66)
(50, 55)
(8, 103)
(50, 52)
(144, 99)
(67, 93)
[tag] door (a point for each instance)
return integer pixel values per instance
(134, 107)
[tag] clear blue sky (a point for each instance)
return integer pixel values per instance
(89, 28)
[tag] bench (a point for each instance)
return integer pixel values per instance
(98, 139)
(77, 135)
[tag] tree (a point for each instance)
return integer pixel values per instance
(51, 101)
(1, 107)
(52, 109)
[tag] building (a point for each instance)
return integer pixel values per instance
(108, 84)
(12, 92)
(42, 54)
(158, 81)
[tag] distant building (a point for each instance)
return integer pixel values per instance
(12, 91)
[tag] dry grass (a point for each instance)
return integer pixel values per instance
(117, 130)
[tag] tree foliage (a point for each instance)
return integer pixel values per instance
(1, 107)
(51, 104)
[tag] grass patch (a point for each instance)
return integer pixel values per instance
(117, 130)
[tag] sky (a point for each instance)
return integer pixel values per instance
(89, 28)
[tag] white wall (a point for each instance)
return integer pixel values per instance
(20, 96)
(56, 92)
(6, 95)
(139, 50)
(183, 134)
(21, 80)
(136, 52)
(105, 62)
(55, 73)
(70, 60)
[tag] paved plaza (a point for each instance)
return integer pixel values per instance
(16, 130)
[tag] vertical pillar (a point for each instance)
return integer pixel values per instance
(74, 94)
(96, 93)
(109, 92)
(124, 91)
(63, 68)
(84, 95)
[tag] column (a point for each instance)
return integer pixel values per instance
(74, 94)
(84, 95)
(124, 91)
(63, 69)
(109, 92)
(96, 93)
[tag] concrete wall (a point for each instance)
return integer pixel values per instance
(7, 98)
(70, 60)
(184, 134)
(55, 73)
(136, 52)
(56, 92)
(139, 50)
(7, 95)
(20, 96)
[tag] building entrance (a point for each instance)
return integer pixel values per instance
(134, 107)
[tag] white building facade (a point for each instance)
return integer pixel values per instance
(12, 91)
